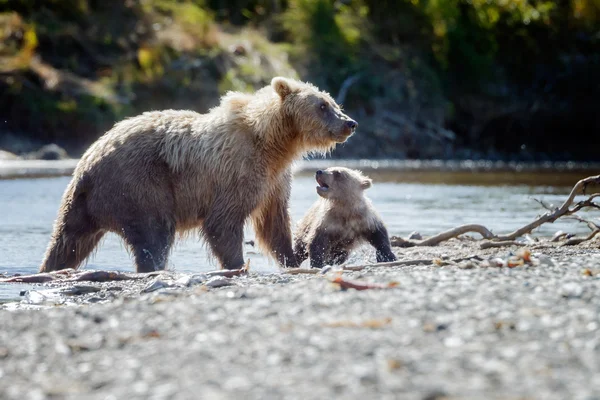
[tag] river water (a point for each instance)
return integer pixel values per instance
(439, 202)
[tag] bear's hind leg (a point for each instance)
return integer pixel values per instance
(74, 237)
(151, 244)
(226, 242)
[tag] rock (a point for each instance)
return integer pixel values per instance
(219, 281)
(48, 152)
(571, 290)
(161, 283)
(415, 236)
(43, 297)
(6, 155)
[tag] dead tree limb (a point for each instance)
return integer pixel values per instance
(442, 237)
(590, 224)
(577, 240)
(567, 209)
(561, 211)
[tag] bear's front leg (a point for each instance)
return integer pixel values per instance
(379, 239)
(318, 249)
(272, 224)
(300, 250)
(226, 240)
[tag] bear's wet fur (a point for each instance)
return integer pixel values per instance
(167, 172)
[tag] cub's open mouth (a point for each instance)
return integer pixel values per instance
(322, 185)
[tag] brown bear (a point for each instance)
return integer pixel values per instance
(166, 172)
(340, 220)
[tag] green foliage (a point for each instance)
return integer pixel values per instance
(328, 37)
(88, 62)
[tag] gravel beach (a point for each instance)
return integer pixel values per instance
(444, 332)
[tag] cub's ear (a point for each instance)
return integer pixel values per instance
(282, 86)
(366, 183)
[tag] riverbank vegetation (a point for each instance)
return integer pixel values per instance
(506, 79)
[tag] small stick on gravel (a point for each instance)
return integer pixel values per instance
(298, 271)
(39, 278)
(228, 273)
(104, 276)
(491, 244)
(348, 284)
(388, 264)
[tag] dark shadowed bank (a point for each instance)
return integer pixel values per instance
(512, 80)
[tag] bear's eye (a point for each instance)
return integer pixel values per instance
(323, 106)
(336, 174)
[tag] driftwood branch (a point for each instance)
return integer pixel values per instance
(561, 211)
(442, 237)
(567, 209)
(591, 224)
(578, 240)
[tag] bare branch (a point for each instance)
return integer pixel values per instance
(591, 224)
(567, 209)
(442, 237)
(547, 206)
(563, 210)
(577, 240)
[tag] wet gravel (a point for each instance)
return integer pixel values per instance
(444, 332)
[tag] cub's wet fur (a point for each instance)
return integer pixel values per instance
(339, 220)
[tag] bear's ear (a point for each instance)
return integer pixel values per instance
(282, 86)
(366, 183)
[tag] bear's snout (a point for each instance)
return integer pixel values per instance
(352, 124)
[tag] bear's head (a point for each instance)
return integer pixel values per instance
(341, 184)
(316, 117)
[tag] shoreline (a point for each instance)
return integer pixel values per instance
(21, 169)
(426, 171)
(454, 331)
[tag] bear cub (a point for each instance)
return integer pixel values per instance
(340, 220)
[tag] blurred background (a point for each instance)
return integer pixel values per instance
(426, 79)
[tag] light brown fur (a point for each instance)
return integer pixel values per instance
(339, 220)
(164, 172)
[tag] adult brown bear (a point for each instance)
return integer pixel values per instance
(164, 172)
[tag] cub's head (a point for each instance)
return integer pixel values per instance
(338, 183)
(316, 116)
